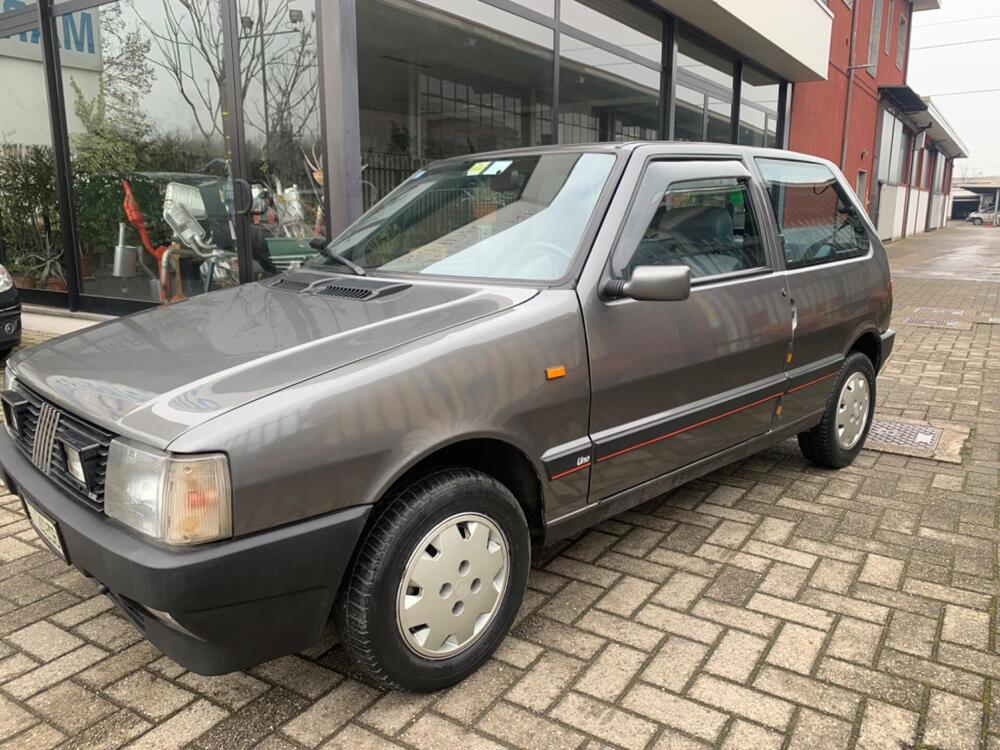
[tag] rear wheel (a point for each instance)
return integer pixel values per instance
(837, 440)
(436, 582)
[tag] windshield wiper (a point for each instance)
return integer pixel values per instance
(325, 250)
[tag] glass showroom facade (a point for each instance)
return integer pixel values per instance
(152, 150)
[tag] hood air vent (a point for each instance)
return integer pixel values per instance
(346, 292)
(297, 282)
(359, 288)
(290, 285)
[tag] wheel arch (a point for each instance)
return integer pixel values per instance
(493, 456)
(867, 341)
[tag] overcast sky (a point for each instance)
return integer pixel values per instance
(969, 67)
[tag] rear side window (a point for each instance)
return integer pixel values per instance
(706, 225)
(817, 220)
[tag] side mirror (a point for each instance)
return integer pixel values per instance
(653, 284)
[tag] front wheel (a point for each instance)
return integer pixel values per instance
(436, 581)
(837, 440)
(977, 222)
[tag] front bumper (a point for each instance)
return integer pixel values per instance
(234, 603)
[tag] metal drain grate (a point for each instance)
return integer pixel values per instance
(939, 311)
(930, 323)
(905, 435)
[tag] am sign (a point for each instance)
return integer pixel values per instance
(79, 37)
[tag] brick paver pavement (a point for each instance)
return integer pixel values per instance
(769, 605)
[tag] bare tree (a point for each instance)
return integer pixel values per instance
(188, 47)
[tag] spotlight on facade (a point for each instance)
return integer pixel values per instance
(247, 23)
(295, 16)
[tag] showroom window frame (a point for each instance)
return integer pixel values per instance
(43, 16)
(339, 116)
(346, 139)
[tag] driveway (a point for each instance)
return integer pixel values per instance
(768, 605)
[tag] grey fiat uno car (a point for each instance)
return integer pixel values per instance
(506, 349)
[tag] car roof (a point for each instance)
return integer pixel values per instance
(674, 148)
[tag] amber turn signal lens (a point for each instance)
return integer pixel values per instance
(552, 373)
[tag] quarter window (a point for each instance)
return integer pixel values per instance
(706, 225)
(817, 220)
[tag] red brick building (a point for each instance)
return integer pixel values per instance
(892, 144)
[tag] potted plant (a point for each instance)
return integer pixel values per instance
(21, 271)
(48, 270)
(485, 200)
(55, 281)
(87, 264)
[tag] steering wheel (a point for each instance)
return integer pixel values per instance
(812, 252)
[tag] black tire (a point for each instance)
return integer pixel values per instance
(819, 445)
(366, 609)
(977, 222)
(5, 352)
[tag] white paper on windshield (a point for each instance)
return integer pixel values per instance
(498, 167)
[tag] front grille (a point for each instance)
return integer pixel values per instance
(52, 426)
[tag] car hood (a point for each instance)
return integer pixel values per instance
(156, 374)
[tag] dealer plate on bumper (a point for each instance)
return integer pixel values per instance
(45, 527)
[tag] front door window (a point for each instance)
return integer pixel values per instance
(704, 225)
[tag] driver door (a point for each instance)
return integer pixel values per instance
(676, 382)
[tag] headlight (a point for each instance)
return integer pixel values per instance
(6, 282)
(9, 379)
(175, 499)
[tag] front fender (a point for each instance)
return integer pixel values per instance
(343, 438)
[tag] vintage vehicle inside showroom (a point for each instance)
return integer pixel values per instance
(505, 350)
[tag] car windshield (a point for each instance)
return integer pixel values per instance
(519, 218)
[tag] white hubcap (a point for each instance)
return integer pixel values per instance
(852, 410)
(452, 586)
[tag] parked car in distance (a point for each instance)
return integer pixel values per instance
(10, 314)
(507, 349)
(986, 216)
